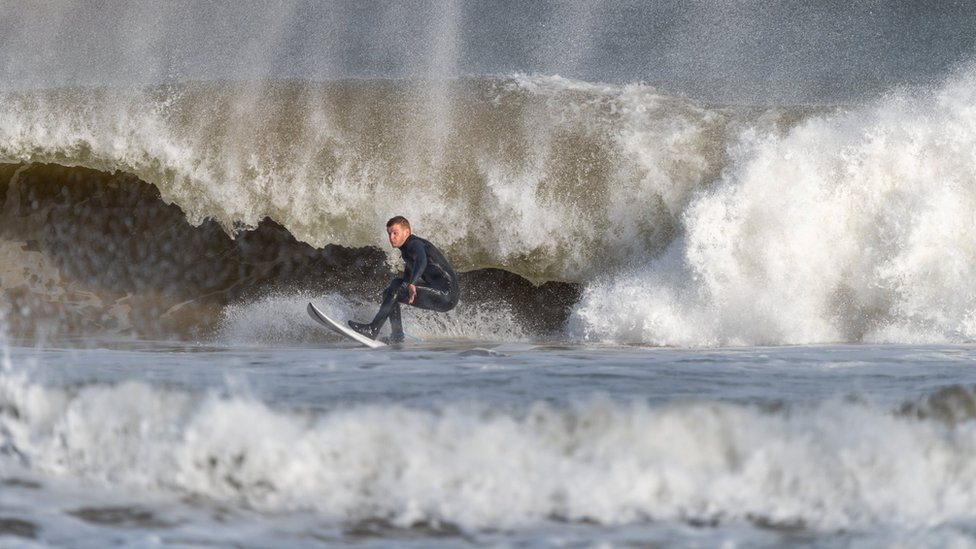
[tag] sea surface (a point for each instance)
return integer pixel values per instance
(487, 444)
(716, 260)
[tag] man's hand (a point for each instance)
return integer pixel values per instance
(412, 291)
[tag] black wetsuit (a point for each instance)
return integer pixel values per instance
(426, 268)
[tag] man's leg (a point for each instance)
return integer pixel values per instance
(396, 325)
(390, 308)
(430, 298)
(435, 299)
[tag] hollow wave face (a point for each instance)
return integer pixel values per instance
(91, 254)
(850, 226)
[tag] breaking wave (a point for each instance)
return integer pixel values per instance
(855, 225)
(683, 223)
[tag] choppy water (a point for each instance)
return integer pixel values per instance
(458, 444)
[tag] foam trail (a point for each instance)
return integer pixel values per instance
(854, 226)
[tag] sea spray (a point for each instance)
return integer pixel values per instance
(853, 226)
(273, 320)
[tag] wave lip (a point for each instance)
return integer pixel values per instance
(827, 467)
(549, 178)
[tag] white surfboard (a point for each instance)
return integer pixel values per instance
(320, 317)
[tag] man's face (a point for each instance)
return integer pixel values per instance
(398, 234)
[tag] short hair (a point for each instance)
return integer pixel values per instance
(398, 220)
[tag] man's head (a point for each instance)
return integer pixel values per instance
(398, 229)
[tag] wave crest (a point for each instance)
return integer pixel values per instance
(549, 178)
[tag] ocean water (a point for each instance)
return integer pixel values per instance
(716, 265)
(495, 445)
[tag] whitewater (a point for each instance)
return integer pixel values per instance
(447, 445)
(715, 275)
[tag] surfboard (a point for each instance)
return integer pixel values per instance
(324, 320)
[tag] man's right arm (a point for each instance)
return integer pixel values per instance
(418, 252)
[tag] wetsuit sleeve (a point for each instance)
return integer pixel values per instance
(419, 254)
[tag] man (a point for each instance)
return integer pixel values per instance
(428, 281)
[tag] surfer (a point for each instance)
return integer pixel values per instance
(428, 282)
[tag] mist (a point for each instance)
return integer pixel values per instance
(750, 51)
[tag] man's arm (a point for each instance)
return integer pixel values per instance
(419, 254)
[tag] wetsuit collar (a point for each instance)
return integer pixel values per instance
(406, 241)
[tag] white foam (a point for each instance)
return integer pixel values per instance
(855, 226)
(833, 466)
